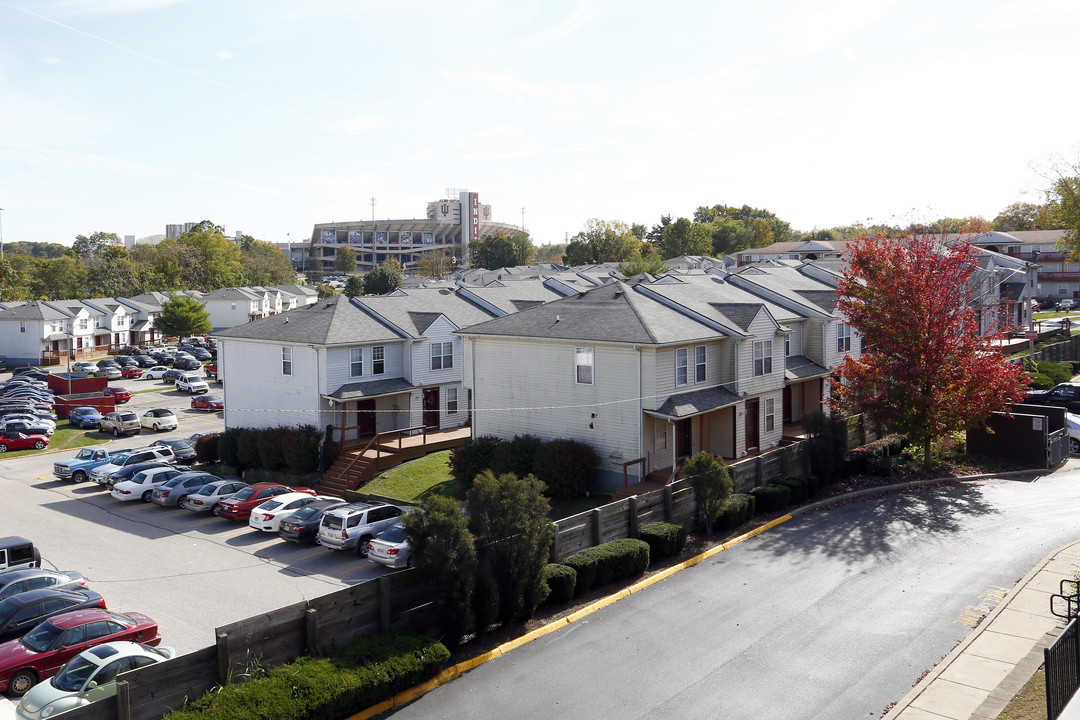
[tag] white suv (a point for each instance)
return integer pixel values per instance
(353, 525)
(192, 384)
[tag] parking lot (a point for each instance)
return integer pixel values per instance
(190, 572)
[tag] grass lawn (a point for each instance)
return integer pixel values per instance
(66, 437)
(1029, 703)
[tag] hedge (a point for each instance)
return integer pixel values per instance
(665, 539)
(328, 686)
(560, 581)
(606, 563)
(769, 498)
(738, 508)
(799, 491)
(874, 458)
(206, 448)
(564, 466)
(247, 448)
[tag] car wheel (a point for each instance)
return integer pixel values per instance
(180, 501)
(3, 448)
(146, 495)
(116, 432)
(361, 546)
(216, 510)
(1074, 445)
(157, 428)
(38, 444)
(79, 476)
(21, 681)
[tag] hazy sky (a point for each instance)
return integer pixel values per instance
(268, 116)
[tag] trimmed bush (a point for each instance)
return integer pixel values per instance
(566, 467)
(1058, 372)
(518, 456)
(875, 458)
(738, 508)
(206, 448)
(813, 485)
(665, 539)
(769, 498)
(611, 561)
(247, 448)
(330, 449)
(472, 457)
(227, 446)
(560, 581)
(269, 443)
(327, 686)
(300, 449)
(1038, 381)
(798, 488)
(826, 443)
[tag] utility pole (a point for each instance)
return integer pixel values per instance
(372, 209)
(1, 233)
(522, 219)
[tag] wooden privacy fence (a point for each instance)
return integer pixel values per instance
(398, 601)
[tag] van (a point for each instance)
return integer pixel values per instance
(18, 553)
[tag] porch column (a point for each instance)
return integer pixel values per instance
(673, 441)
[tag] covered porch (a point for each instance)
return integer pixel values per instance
(364, 409)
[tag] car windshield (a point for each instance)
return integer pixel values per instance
(42, 637)
(139, 478)
(304, 513)
(207, 490)
(244, 494)
(212, 399)
(270, 505)
(85, 454)
(395, 534)
(118, 459)
(74, 675)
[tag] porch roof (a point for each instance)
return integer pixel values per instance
(800, 367)
(696, 402)
(370, 389)
(141, 326)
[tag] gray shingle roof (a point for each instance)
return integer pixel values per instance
(696, 402)
(332, 321)
(414, 310)
(33, 311)
(800, 367)
(371, 388)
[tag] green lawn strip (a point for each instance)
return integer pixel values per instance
(1030, 702)
(66, 437)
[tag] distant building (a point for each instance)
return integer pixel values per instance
(449, 228)
(173, 232)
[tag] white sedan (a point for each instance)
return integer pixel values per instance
(268, 516)
(142, 484)
(155, 373)
(210, 495)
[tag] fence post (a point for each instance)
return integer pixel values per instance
(123, 700)
(311, 620)
(223, 660)
(383, 584)
(597, 518)
(669, 503)
(555, 543)
(632, 509)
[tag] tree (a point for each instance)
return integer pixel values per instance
(577, 252)
(354, 286)
(551, 253)
(1025, 216)
(926, 368)
(712, 485)
(611, 240)
(385, 278)
(58, 279)
(434, 265)
(220, 261)
(441, 548)
(657, 231)
(683, 237)
(87, 247)
(768, 230)
(509, 516)
(345, 260)
(182, 315)
(491, 253)
(264, 263)
(639, 263)
(324, 291)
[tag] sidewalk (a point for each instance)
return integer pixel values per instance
(983, 673)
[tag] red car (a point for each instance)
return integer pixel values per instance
(15, 440)
(119, 394)
(41, 652)
(211, 370)
(131, 371)
(240, 505)
(209, 403)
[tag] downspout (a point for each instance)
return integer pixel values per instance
(472, 384)
(640, 413)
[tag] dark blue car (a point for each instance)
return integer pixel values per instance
(85, 417)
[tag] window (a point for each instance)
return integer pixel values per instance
(583, 365)
(377, 365)
(787, 346)
(762, 357)
(699, 364)
(659, 435)
(286, 361)
(770, 414)
(451, 401)
(843, 338)
(22, 326)
(356, 362)
(442, 356)
(680, 367)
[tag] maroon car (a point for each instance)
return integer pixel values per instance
(41, 652)
(240, 505)
(209, 403)
(119, 394)
(131, 371)
(15, 440)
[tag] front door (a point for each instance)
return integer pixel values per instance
(787, 403)
(431, 409)
(365, 417)
(683, 444)
(753, 437)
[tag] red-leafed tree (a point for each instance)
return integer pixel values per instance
(926, 368)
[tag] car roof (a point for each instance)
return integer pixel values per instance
(357, 506)
(32, 596)
(11, 576)
(262, 485)
(75, 618)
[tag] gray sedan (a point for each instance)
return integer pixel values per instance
(209, 495)
(171, 493)
(17, 581)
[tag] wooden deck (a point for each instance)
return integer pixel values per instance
(362, 460)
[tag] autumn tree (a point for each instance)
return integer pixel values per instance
(96, 244)
(345, 260)
(639, 263)
(354, 286)
(182, 315)
(602, 241)
(925, 369)
(435, 265)
(683, 237)
(1021, 216)
(264, 263)
(500, 250)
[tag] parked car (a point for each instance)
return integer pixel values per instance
(352, 526)
(303, 525)
(28, 419)
(17, 553)
(171, 376)
(39, 654)
(159, 419)
(110, 372)
(1066, 395)
(210, 495)
(129, 471)
(18, 581)
(141, 485)
(120, 423)
(201, 354)
(268, 515)
(391, 548)
(79, 467)
(186, 363)
(15, 440)
(101, 473)
(1072, 425)
(145, 361)
(124, 360)
(211, 370)
(1067, 304)
(119, 395)
(156, 372)
(85, 417)
(240, 505)
(174, 491)
(192, 384)
(131, 372)
(89, 676)
(209, 403)
(183, 451)
(19, 613)
(83, 367)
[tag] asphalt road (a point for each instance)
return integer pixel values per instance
(831, 615)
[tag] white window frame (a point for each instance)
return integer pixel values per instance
(451, 401)
(584, 366)
(22, 326)
(286, 361)
(843, 338)
(701, 357)
(762, 357)
(787, 346)
(770, 414)
(442, 356)
(681, 360)
(356, 362)
(378, 360)
(660, 435)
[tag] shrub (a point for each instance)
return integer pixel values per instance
(665, 539)
(1058, 372)
(247, 448)
(769, 498)
(518, 456)
(300, 449)
(227, 446)
(826, 443)
(269, 442)
(738, 509)
(330, 449)
(332, 684)
(712, 485)
(799, 492)
(560, 581)
(813, 485)
(875, 458)
(566, 467)
(206, 448)
(1038, 381)
(611, 561)
(471, 457)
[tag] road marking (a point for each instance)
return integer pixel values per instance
(204, 522)
(358, 567)
(305, 557)
(988, 599)
(246, 528)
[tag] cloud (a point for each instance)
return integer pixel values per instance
(815, 25)
(361, 124)
(584, 13)
(922, 29)
(501, 81)
(225, 55)
(108, 7)
(51, 60)
(1030, 14)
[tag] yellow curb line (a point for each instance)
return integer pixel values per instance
(456, 671)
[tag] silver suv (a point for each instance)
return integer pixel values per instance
(121, 422)
(353, 525)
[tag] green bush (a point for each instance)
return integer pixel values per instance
(269, 442)
(606, 563)
(826, 443)
(472, 457)
(227, 446)
(738, 508)
(799, 491)
(559, 581)
(1059, 372)
(247, 448)
(770, 498)
(300, 449)
(1038, 381)
(332, 684)
(331, 448)
(665, 539)
(813, 485)
(876, 458)
(565, 467)
(517, 456)
(206, 448)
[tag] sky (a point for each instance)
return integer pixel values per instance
(269, 116)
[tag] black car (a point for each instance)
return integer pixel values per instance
(303, 525)
(1066, 395)
(20, 613)
(28, 428)
(165, 359)
(145, 361)
(182, 449)
(201, 354)
(128, 471)
(20, 581)
(171, 375)
(187, 363)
